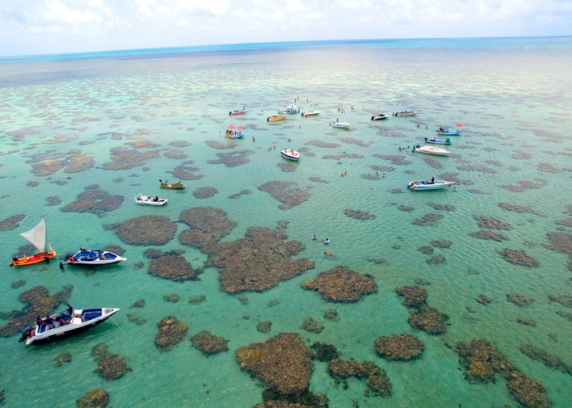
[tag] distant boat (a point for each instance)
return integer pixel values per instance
(290, 110)
(147, 200)
(93, 257)
(447, 132)
(432, 150)
(276, 118)
(311, 113)
(79, 321)
(433, 140)
(37, 237)
(405, 113)
(176, 185)
(379, 116)
(423, 185)
(341, 125)
(290, 154)
(237, 112)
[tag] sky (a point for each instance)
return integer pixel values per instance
(30, 27)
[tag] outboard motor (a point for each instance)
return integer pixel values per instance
(25, 334)
(69, 255)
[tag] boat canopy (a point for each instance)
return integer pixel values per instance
(37, 236)
(292, 107)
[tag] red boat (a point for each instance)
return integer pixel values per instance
(37, 237)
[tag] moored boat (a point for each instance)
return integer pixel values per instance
(176, 185)
(237, 112)
(432, 184)
(310, 113)
(93, 257)
(290, 154)
(447, 132)
(148, 200)
(434, 140)
(289, 110)
(405, 113)
(341, 125)
(63, 325)
(432, 150)
(379, 116)
(37, 237)
(276, 118)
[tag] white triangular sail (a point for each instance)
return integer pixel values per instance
(37, 236)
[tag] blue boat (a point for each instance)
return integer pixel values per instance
(447, 132)
(433, 140)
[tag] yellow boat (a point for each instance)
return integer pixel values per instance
(37, 237)
(176, 185)
(276, 118)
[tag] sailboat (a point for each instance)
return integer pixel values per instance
(37, 237)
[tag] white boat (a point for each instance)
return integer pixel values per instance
(379, 116)
(341, 125)
(423, 185)
(312, 113)
(146, 200)
(62, 325)
(93, 257)
(289, 110)
(405, 113)
(290, 154)
(432, 150)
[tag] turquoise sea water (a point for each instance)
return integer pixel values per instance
(512, 98)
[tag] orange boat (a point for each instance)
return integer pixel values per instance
(37, 237)
(276, 118)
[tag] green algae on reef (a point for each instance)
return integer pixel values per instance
(146, 230)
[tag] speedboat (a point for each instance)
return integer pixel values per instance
(447, 132)
(311, 113)
(290, 154)
(290, 110)
(37, 237)
(432, 150)
(93, 257)
(237, 112)
(61, 326)
(341, 125)
(276, 118)
(175, 185)
(433, 140)
(379, 116)
(423, 185)
(405, 113)
(147, 200)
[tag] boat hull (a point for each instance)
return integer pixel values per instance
(436, 151)
(275, 118)
(406, 114)
(378, 117)
(94, 258)
(173, 186)
(438, 141)
(449, 133)
(290, 154)
(237, 113)
(306, 114)
(33, 259)
(341, 125)
(146, 200)
(78, 325)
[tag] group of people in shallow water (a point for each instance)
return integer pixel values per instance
(326, 242)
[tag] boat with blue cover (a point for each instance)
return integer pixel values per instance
(434, 140)
(447, 132)
(93, 257)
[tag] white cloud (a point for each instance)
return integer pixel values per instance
(54, 26)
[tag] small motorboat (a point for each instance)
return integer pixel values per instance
(405, 113)
(63, 325)
(447, 132)
(311, 113)
(93, 257)
(276, 118)
(434, 140)
(290, 154)
(176, 185)
(234, 135)
(37, 237)
(341, 125)
(147, 200)
(379, 116)
(432, 150)
(432, 184)
(289, 110)
(237, 112)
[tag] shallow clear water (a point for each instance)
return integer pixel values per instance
(513, 102)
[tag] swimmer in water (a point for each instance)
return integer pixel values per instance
(314, 238)
(327, 241)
